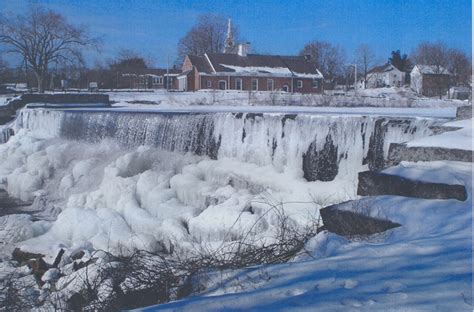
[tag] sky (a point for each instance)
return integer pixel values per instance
(154, 27)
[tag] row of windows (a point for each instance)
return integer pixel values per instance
(238, 84)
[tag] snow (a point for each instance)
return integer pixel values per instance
(423, 265)
(113, 192)
(4, 99)
(259, 69)
(379, 97)
(459, 139)
(279, 71)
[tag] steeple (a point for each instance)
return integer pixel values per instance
(229, 39)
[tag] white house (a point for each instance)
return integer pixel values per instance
(385, 76)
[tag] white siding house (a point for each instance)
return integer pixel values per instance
(385, 76)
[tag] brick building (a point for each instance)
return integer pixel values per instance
(250, 72)
(150, 78)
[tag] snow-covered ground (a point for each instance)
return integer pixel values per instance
(424, 265)
(384, 97)
(459, 139)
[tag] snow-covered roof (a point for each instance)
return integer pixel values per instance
(388, 67)
(256, 64)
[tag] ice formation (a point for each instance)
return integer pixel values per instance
(155, 181)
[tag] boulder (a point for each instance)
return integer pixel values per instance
(399, 152)
(375, 183)
(24, 256)
(348, 223)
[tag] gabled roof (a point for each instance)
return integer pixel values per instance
(431, 69)
(387, 67)
(201, 63)
(278, 65)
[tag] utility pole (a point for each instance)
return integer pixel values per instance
(355, 76)
(355, 79)
(167, 72)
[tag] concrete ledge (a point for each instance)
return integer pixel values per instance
(65, 98)
(399, 152)
(349, 223)
(464, 112)
(57, 100)
(375, 183)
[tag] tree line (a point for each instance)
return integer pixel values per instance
(52, 48)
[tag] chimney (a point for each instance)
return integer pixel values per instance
(244, 49)
(307, 57)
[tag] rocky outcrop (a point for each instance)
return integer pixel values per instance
(321, 165)
(401, 152)
(376, 183)
(349, 223)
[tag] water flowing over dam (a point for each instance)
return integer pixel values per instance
(318, 146)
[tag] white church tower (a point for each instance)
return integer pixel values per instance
(229, 39)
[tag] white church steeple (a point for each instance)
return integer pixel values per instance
(229, 39)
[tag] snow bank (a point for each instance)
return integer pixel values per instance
(459, 139)
(424, 265)
(383, 97)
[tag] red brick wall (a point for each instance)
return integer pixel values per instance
(278, 83)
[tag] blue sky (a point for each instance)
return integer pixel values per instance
(277, 27)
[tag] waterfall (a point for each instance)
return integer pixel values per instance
(318, 147)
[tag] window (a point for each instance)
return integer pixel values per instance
(299, 83)
(270, 84)
(222, 85)
(286, 88)
(254, 84)
(158, 80)
(209, 84)
(238, 84)
(315, 83)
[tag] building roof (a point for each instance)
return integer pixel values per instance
(255, 64)
(201, 63)
(431, 69)
(387, 67)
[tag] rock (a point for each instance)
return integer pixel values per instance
(24, 256)
(349, 223)
(38, 268)
(58, 258)
(78, 255)
(321, 165)
(401, 152)
(375, 183)
(51, 275)
(464, 112)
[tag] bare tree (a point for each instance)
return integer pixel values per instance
(459, 66)
(365, 59)
(436, 56)
(43, 38)
(329, 59)
(206, 36)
